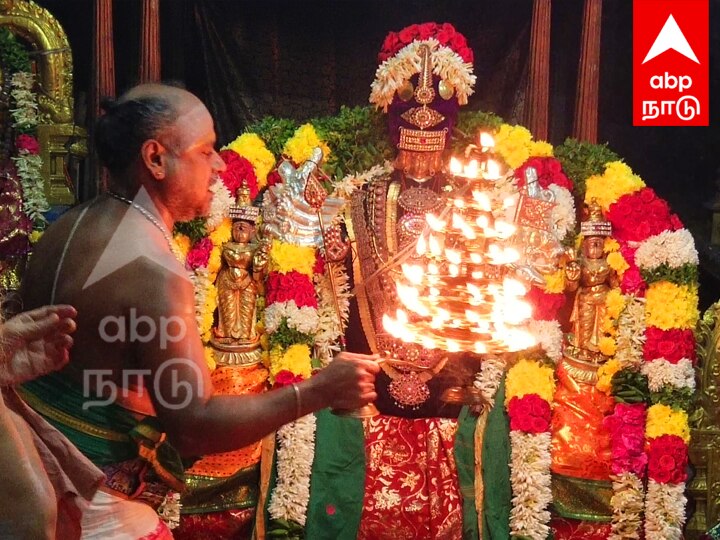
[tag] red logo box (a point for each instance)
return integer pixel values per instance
(671, 75)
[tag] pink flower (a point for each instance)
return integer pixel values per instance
(27, 144)
(632, 282)
(286, 377)
(199, 254)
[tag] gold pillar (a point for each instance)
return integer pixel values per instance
(150, 42)
(586, 105)
(539, 78)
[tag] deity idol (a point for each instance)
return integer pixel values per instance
(580, 445)
(415, 460)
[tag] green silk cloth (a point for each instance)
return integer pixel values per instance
(497, 500)
(105, 434)
(209, 494)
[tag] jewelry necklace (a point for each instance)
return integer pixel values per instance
(409, 388)
(152, 219)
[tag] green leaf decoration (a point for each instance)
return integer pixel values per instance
(581, 160)
(683, 275)
(630, 387)
(13, 56)
(357, 137)
(275, 132)
(469, 124)
(195, 229)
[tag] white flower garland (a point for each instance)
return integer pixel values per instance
(563, 213)
(631, 333)
(220, 204)
(530, 478)
(295, 455)
(329, 329)
(304, 319)
(351, 182)
(665, 511)
(489, 378)
(674, 248)
(549, 336)
(25, 116)
(660, 373)
(627, 502)
(447, 64)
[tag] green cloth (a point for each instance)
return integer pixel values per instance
(60, 402)
(465, 462)
(496, 471)
(105, 434)
(338, 478)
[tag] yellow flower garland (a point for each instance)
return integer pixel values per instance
(285, 258)
(671, 306)
(252, 147)
(617, 180)
(555, 282)
(295, 359)
(183, 244)
(663, 420)
(530, 377)
(513, 144)
(300, 146)
(617, 262)
(605, 374)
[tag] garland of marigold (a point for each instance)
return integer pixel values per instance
(649, 332)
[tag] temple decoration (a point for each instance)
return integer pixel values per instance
(60, 139)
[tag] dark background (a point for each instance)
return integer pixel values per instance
(301, 59)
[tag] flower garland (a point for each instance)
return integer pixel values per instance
(291, 320)
(648, 327)
(301, 321)
(529, 394)
(397, 69)
(530, 384)
(28, 161)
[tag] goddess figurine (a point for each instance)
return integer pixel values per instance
(580, 445)
(409, 472)
(221, 489)
(236, 340)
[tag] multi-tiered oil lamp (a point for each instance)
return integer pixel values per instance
(459, 288)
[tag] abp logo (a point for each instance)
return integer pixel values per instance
(671, 63)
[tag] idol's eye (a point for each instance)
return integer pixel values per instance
(406, 91)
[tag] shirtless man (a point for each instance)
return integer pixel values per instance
(158, 143)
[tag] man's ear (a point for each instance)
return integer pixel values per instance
(154, 156)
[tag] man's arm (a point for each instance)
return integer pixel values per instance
(198, 422)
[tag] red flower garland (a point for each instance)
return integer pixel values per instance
(549, 171)
(445, 33)
(673, 345)
(239, 171)
(545, 305)
(290, 286)
(668, 459)
(637, 216)
(529, 413)
(27, 143)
